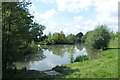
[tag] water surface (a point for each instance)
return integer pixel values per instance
(52, 55)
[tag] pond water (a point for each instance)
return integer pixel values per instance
(52, 55)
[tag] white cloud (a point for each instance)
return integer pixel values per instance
(42, 18)
(85, 26)
(105, 12)
(73, 5)
(103, 6)
(47, 1)
(78, 18)
(70, 5)
(52, 27)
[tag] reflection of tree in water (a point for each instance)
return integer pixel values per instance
(71, 51)
(80, 46)
(24, 60)
(57, 49)
(60, 50)
(35, 57)
(92, 53)
(32, 57)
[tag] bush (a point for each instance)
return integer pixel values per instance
(83, 39)
(117, 36)
(98, 38)
(81, 58)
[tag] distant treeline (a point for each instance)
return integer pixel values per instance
(60, 38)
(96, 39)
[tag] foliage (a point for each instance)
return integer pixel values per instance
(71, 38)
(31, 48)
(112, 35)
(81, 58)
(17, 31)
(36, 31)
(79, 36)
(56, 38)
(117, 36)
(83, 38)
(60, 38)
(98, 38)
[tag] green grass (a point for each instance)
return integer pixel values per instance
(104, 67)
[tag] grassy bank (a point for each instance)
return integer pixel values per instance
(104, 67)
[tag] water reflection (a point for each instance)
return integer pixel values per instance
(35, 57)
(51, 55)
(25, 60)
(57, 49)
(94, 54)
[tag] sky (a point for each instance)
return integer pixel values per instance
(74, 16)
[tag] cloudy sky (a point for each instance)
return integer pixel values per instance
(73, 16)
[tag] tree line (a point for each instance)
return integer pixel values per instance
(98, 38)
(60, 38)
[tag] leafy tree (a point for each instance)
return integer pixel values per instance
(117, 36)
(16, 31)
(79, 36)
(83, 38)
(44, 37)
(112, 35)
(56, 38)
(36, 31)
(71, 38)
(98, 38)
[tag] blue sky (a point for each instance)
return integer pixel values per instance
(73, 16)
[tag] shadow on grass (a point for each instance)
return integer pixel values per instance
(64, 70)
(11, 74)
(113, 48)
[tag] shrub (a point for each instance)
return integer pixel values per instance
(98, 38)
(81, 58)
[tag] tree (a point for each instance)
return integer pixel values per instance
(71, 38)
(56, 38)
(117, 36)
(98, 38)
(15, 29)
(112, 35)
(83, 38)
(36, 31)
(79, 36)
